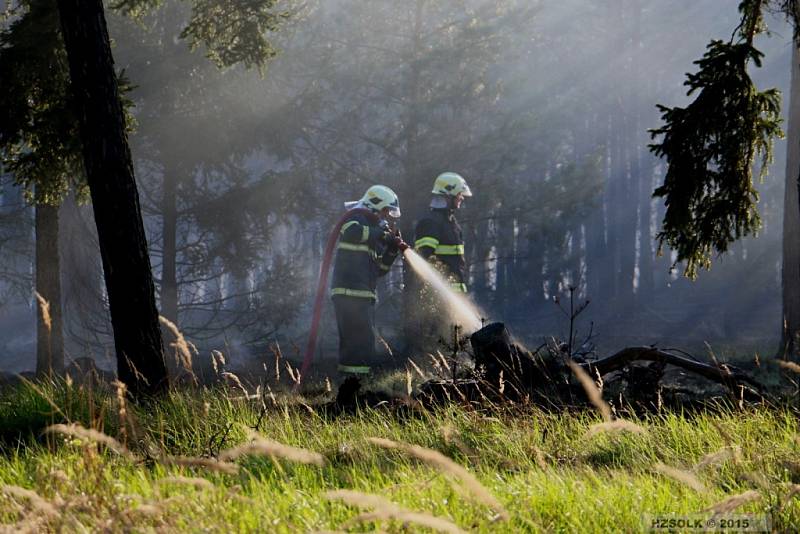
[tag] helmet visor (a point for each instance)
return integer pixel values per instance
(466, 192)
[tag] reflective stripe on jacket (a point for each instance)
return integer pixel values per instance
(361, 258)
(440, 235)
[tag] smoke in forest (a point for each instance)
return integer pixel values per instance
(544, 107)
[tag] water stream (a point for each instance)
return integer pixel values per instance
(458, 307)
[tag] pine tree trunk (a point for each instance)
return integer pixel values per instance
(49, 337)
(533, 283)
(629, 174)
(409, 196)
(614, 205)
(628, 213)
(481, 247)
(791, 220)
(641, 169)
(169, 229)
(646, 253)
(596, 251)
(115, 200)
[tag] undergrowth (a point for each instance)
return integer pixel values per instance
(178, 468)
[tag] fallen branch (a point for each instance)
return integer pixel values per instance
(724, 374)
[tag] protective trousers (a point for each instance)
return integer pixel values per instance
(355, 318)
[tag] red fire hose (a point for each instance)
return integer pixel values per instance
(322, 286)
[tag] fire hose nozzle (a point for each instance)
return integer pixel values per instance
(396, 240)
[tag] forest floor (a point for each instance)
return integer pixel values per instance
(536, 472)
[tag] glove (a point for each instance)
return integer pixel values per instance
(380, 232)
(393, 242)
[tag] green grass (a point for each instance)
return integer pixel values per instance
(549, 475)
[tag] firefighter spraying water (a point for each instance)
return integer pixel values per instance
(439, 289)
(366, 245)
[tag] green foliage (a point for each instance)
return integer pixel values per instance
(710, 147)
(39, 141)
(37, 405)
(231, 31)
(39, 138)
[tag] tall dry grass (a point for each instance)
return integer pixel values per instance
(217, 361)
(38, 504)
(261, 446)
(444, 464)
(733, 502)
(236, 381)
(592, 391)
(724, 454)
(789, 366)
(684, 477)
(210, 464)
(44, 310)
(183, 349)
(77, 431)
(618, 425)
(196, 482)
(122, 409)
(384, 509)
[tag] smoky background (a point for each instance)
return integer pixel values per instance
(542, 106)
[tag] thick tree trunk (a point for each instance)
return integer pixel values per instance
(115, 200)
(49, 330)
(791, 220)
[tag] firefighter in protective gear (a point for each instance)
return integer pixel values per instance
(438, 237)
(366, 249)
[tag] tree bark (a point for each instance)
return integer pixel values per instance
(644, 294)
(614, 203)
(115, 200)
(49, 326)
(533, 278)
(641, 168)
(628, 213)
(409, 196)
(596, 246)
(791, 220)
(169, 228)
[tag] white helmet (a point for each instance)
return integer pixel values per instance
(378, 197)
(451, 184)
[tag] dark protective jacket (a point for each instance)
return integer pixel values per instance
(361, 258)
(438, 239)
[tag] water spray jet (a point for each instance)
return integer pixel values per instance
(459, 308)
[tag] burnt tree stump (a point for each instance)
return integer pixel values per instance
(505, 371)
